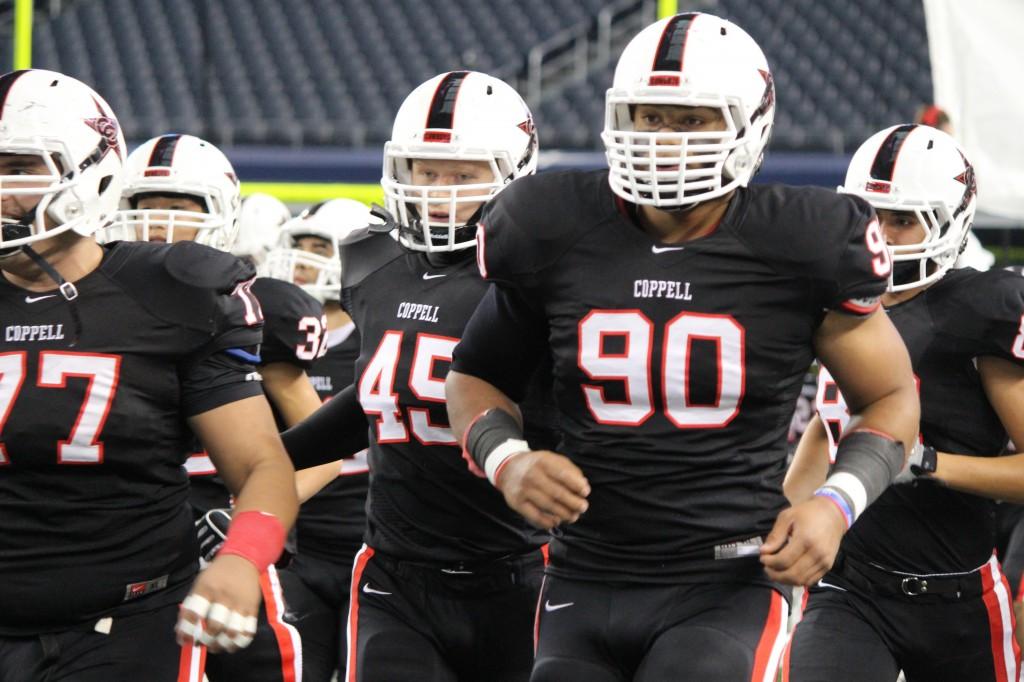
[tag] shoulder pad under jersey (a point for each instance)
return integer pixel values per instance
(180, 281)
(536, 219)
(361, 259)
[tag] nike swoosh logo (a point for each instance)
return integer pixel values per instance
(33, 299)
(822, 583)
(427, 275)
(549, 607)
(663, 249)
(369, 590)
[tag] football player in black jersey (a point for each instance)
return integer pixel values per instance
(110, 355)
(182, 188)
(329, 528)
(682, 309)
(916, 586)
(446, 585)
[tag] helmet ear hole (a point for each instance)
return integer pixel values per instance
(104, 183)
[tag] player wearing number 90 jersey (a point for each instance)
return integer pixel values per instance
(682, 309)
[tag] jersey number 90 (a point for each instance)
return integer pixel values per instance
(635, 367)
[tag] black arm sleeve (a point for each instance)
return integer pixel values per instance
(337, 430)
(503, 342)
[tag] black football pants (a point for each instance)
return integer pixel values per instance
(859, 626)
(437, 623)
(712, 632)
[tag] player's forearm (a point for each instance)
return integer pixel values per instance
(999, 478)
(896, 413)
(269, 486)
(308, 482)
(337, 430)
(810, 464)
(467, 396)
(290, 391)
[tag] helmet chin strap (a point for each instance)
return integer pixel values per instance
(67, 289)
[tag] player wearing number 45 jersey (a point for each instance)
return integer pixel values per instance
(682, 309)
(445, 588)
(109, 356)
(915, 586)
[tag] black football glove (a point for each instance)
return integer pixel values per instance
(923, 461)
(212, 530)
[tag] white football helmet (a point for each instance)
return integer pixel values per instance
(462, 116)
(319, 274)
(182, 165)
(73, 130)
(921, 169)
(259, 225)
(695, 60)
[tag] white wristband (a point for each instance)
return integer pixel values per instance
(498, 455)
(853, 488)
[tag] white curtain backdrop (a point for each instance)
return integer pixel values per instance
(977, 55)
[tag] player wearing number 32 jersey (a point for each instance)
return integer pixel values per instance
(681, 309)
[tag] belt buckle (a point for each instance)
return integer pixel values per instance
(913, 586)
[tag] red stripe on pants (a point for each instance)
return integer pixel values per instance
(770, 634)
(192, 664)
(353, 610)
(273, 602)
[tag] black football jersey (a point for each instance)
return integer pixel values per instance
(93, 435)
(424, 503)
(676, 366)
(923, 527)
(331, 523)
(294, 331)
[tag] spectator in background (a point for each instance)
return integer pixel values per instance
(932, 115)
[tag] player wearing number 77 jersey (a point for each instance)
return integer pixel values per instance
(110, 355)
(682, 309)
(915, 586)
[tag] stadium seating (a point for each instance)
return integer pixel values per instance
(332, 72)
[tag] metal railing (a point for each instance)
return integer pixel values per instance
(572, 54)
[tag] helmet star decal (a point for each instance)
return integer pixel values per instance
(107, 128)
(969, 181)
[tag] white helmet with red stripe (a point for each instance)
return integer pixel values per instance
(182, 165)
(73, 131)
(316, 266)
(693, 60)
(455, 116)
(920, 169)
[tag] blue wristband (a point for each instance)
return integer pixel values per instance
(839, 500)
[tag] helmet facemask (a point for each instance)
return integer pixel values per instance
(672, 169)
(212, 227)
(57, 191)
(292, 264)
(926, 261)
(412, 204)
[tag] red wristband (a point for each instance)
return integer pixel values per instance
(256, 536)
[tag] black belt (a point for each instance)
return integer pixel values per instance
(880, 581)
(506, 571)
